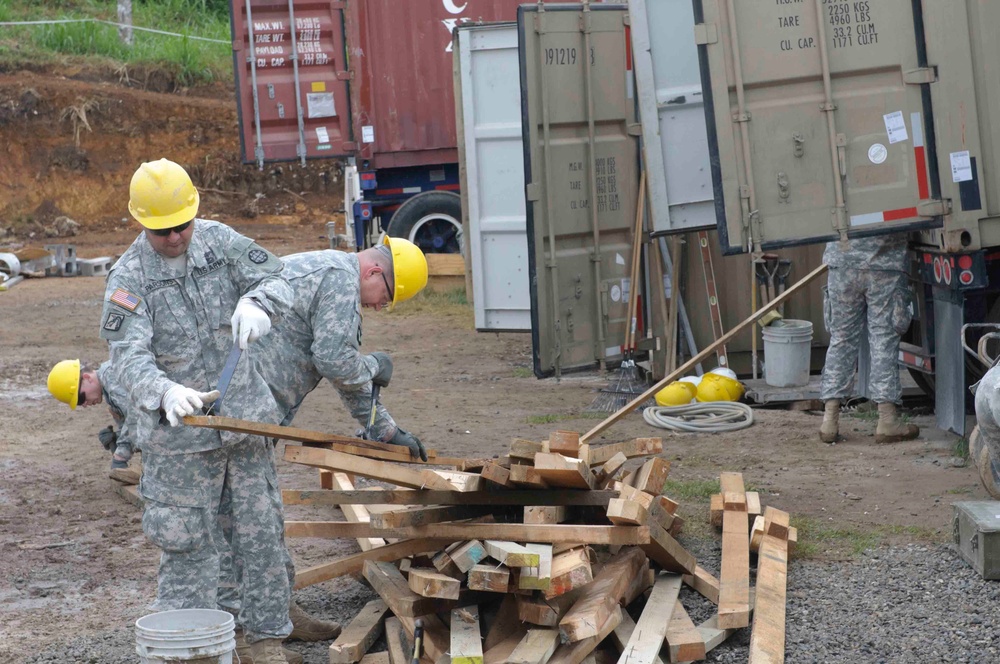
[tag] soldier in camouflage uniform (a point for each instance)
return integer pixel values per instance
(321, 335)
(867, 281)
(164, 318)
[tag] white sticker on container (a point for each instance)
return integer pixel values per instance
(895, 126)
(321, 135)
(619, 259)
(961, 166)
(616, 293)
(877, 153)
(320, 105)
(368, 134)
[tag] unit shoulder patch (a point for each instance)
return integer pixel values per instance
(114, 321)
(124, 299)
(257, 256)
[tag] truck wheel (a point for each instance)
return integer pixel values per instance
(924, 381)
(432, 221)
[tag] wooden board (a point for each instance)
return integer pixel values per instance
(638, 447)
(609, 470)
(537, 577)
(445, 565)
(734, 579)
(705, 583)
(526, 449)
(631, 493)
(668, 552)
(125, 475)
(468, 554)
(500, 652)
(390, 585)
(355, 563)
(549, 514)
(496, 474)
(523, 475)
(536, 647)
(623, 634)
(511, 554)
(353, 513)
(623, 512)
(436, 639)
(370, 468)
(489, 578)
(575, 652)
(651, 476)
(504, 623)
(513, 497)
(376, 658)
(566, 443)
(466, 636)
(776, 523)
(598, 598)
(463, 482)
(363, 631)
(400, 650)
(683, 638)
(562, 471)
(644, 645)
(431, 583)
(420, 516)
(128, 492)
(569, 570)
(767, 639)
(445, 265)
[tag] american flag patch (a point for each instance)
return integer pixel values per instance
(125, 299)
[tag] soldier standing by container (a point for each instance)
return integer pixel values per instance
(164, 319)
(867, 282)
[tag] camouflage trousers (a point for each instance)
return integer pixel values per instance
(853, 297)
(185, 495)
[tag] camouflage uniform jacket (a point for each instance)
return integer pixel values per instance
(116, 398)
(321, 337)
(163, 329)
(884, 252)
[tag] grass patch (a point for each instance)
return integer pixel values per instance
(817, 539)
(961, 491)
(683, 490)
(961, 449)
(523, 372)
(190, 61)
(439, 303)
(552, 418)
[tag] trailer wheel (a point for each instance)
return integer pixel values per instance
(432, 221)
(924, 381)
(974, 372)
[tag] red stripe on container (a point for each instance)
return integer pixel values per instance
(896, 215)
(448, 187)
(922, 188)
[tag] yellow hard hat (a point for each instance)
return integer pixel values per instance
(162, 195)
(64, 382)
(409, 268)
(714, 387)
(676, 394)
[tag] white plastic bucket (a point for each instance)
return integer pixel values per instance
(786, 353)
(201, 636)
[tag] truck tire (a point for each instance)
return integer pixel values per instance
(432, 221)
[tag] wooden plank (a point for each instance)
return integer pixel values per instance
(445, 265)
(376, 658)
(734, 580)
(607, 472)
(527, 476)
(129, 493)
(489, 578)
(631, 493)
(467, 554)
(659, 514)
(598, 599)
(767, 639)
(463, 482)
(420, 516)
(325, 479)
(526, 449)
(504, 623)
(668, 552)
(427, 582)
(445, 565)
(632, 449)
(563, 471)
(549, 514)
(370, 468)
(454, 532)
(683, 638)
(703, 355)
(705, 583)
(496, 474)
(623, 512)
(359, 636)
(623, 634)
(644, 645)
(569, 570)
(566, 443)
(466, 636)
(500, 652)
(652, 475)
(353, 513)
(355, 563)
(668, 505)
(395, 591)
(715, 510)
(575, 652)
(776, 523)
(513, 497)
(436, 640)
(511, 554)
(642, 582)
(125, 475)
(536, 647)
(537, 577)
(753, 504)
(400, 651)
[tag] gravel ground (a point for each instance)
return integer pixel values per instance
(903, 604)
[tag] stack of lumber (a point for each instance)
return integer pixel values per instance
(559, 553)
(125, 482)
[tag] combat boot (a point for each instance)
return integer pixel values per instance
(246, 655)
(307, 628)
(890, 429)
(829, 430)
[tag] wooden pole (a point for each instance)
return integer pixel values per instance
(125, 18)
(680, 371)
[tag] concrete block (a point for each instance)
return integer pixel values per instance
(65, 260)
(94, 267)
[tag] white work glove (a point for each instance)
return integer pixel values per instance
(249, 322)
(179, 401)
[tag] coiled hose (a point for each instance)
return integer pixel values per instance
(711, 417)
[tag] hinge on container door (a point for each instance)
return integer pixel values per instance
(349, 147)
(934, 208)
(626, 19)
(705, 33)
(634, 129)
(842, 154)
(344, 76)
(920, 76)
(532, 192)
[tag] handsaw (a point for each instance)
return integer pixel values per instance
(226, 377)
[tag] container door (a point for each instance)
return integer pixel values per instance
(493, 188)
(671, 109)
(582, 180)
(291, 84)
(819, 119)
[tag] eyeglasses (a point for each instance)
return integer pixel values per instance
(80, 397)
(165, 232)
(387, 289)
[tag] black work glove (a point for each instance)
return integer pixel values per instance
(408, 440)
(108, 437)
(384, 374)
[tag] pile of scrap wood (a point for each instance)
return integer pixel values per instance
(554, 553)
